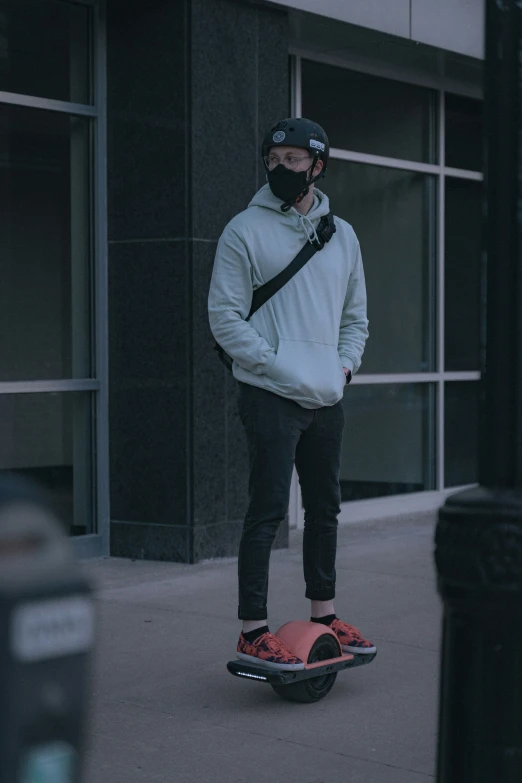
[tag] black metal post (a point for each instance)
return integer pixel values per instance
(479, 533)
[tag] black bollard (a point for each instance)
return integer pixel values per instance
(46, 642)
(479, 534)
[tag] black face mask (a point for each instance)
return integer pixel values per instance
(288, 185)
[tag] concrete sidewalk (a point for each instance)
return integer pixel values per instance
(165, 710)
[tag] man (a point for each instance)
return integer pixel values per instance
(292, 360)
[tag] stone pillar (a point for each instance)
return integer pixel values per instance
(240, 83)
(191, 87)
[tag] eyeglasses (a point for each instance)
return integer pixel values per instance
(289, 161)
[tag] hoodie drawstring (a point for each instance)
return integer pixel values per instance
(307, 224)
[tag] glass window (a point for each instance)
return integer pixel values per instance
(393, 213)
(45, 301)
(464, 117)
(48, 437)
(463, 246)
(45, 49)
(369, 114)
(388, 444)
(461, 428)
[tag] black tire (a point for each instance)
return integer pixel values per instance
(308, 691)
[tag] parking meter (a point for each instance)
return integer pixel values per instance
(46, 639)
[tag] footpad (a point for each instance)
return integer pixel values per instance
(261, 673)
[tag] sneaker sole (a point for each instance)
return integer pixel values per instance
(358, 650)
(286, 667)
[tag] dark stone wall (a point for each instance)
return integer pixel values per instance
(240, 84)
(192, 86)
(148, 278)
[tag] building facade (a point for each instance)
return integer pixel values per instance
(130, 135)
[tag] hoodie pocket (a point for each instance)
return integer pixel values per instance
(305, 370)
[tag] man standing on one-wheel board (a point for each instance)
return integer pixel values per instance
(292, 359)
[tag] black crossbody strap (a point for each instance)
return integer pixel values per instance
(325, 231)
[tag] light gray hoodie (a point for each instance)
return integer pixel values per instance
(296, 344)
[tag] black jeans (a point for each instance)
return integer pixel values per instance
(280, 433)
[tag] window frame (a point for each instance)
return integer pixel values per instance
(94, 544)
(423, 500)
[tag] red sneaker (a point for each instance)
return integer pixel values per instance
(351, 639)
(268, 651)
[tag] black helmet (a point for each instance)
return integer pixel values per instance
(299, 132)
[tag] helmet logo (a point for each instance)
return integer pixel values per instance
(279, 136)
(318, 145)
